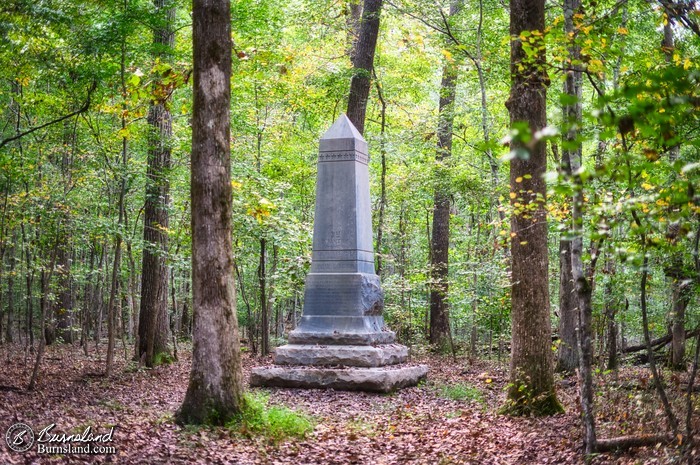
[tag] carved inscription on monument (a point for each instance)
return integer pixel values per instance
(346, 155)
(334, 238)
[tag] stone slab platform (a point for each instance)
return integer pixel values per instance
(352, 356)
(381, 379)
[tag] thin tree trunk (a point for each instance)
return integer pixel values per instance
(440, 241)
(46, 276)
(116, 265)
(363, 63)
(567, 360)
(10, 293)
(264, 311)
(670, 416)
(610, 312)
(215, 390)
(382, 180)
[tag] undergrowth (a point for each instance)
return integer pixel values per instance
(273, 422)
(461, 392)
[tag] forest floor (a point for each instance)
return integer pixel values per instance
(420, 425)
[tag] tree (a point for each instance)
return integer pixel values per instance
(363, 62)
(567, 358)
(440, 239)
(531, 377)
(153, 314)
(215, 390)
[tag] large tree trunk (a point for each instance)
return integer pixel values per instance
(353, 15)
(363, 62)
(531, 373)
(440, 240)
(153, 313)
(215, 390)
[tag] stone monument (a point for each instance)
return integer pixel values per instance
(342, 341)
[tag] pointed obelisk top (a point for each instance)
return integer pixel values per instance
(343, 136)
(343, 129)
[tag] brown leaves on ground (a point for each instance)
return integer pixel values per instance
(418, 425)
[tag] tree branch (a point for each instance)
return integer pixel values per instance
(80, 110)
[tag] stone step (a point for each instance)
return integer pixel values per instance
(347, 355)
(378, 379)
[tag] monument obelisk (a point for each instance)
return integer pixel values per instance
(342, 341)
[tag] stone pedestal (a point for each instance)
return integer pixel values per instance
(342, 323)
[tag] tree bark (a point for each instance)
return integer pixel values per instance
(567, 360)
(440, 240)
(531, 370)
(264, 310)
(680, 287)
(215, 391)
(153, 313)
(116, 265)
(10, 293)
(363, 63)
(353, 16)
(610, 311)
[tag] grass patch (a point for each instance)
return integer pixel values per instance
(460, 392)
(274, 423)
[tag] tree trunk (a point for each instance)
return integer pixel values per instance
(10, 294)
(63, 308)
(610, 311)
(153, 313)
(440, 241)
(567, 360)
(531, 371)
(567, 356)
(264, 311)
(353, 15)
(680, 289)
(382, 182)
(363, 63)
(680, 299)
(215, 391)
(116, 265)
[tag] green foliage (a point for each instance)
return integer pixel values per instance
(460, 392)
(272, 422)
(163, 358)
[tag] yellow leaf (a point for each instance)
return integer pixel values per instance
(488, 381)
(513, 194)
(646, 186)
(622, 30)
(519, 179)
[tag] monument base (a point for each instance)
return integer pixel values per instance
(346, 355)
(375, 379)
